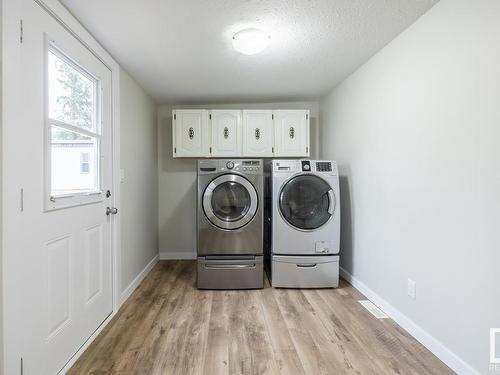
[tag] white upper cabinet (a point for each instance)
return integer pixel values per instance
(191, 133)
(291, 133)
(249, 133)
(226, 133)
(258, 133)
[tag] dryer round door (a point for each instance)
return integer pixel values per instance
(230, 201)
(307, 202)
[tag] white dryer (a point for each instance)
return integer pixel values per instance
(305, 223)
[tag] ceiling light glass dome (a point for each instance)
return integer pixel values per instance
(250, 41)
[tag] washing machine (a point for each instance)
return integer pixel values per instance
(230, 224)
(304, 219)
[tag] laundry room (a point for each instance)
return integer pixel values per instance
(249, 187)
(177, 235)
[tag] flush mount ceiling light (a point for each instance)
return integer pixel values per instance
(250, 41)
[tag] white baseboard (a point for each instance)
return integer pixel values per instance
(137, 281)
(426, 339)
(177, 255)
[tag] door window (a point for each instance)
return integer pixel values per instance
(230, 201)
(305, 202)
(72, 128)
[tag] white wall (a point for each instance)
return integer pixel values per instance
(177, 179)
(416, 132)
(139, 188)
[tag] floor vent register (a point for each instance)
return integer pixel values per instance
(374, 310)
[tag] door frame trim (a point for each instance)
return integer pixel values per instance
(11, 14)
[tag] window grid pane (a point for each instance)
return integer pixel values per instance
(74, 158)
(72, 94)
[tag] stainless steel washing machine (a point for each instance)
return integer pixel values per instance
(230, 224)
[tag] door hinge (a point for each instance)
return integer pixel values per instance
(307, 116)
(21, 31)
(22, 366)
(210, 116)
(210, 149)
(108, 193)
(175, 117)
(175, 150)
(272, 116)
(272, 150)
(307, 150)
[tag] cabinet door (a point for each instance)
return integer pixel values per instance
(226, 133)
(191, 133)
(291, 133)
(258, 133)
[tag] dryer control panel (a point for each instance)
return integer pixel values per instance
(323, 166)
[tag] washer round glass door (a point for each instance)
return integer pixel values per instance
(307, 202)
(230, 201)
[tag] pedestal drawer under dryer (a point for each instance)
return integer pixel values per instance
(230, 272)
(305, 271)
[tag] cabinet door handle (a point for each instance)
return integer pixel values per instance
(257, 133)
(191, 133)
(291, 132)
(226, 133)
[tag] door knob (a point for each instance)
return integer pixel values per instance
(110, 211)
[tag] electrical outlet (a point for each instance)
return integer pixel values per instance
(412, 289)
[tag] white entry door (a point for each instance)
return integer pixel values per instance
(64, 280)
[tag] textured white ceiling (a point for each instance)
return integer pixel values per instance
(180, 51)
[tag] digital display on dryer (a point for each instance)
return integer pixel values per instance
(323, 167)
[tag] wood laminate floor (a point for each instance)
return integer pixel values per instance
(170, 327)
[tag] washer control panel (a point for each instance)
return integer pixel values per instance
(243, 166)
(312, 166)
(250, 166)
